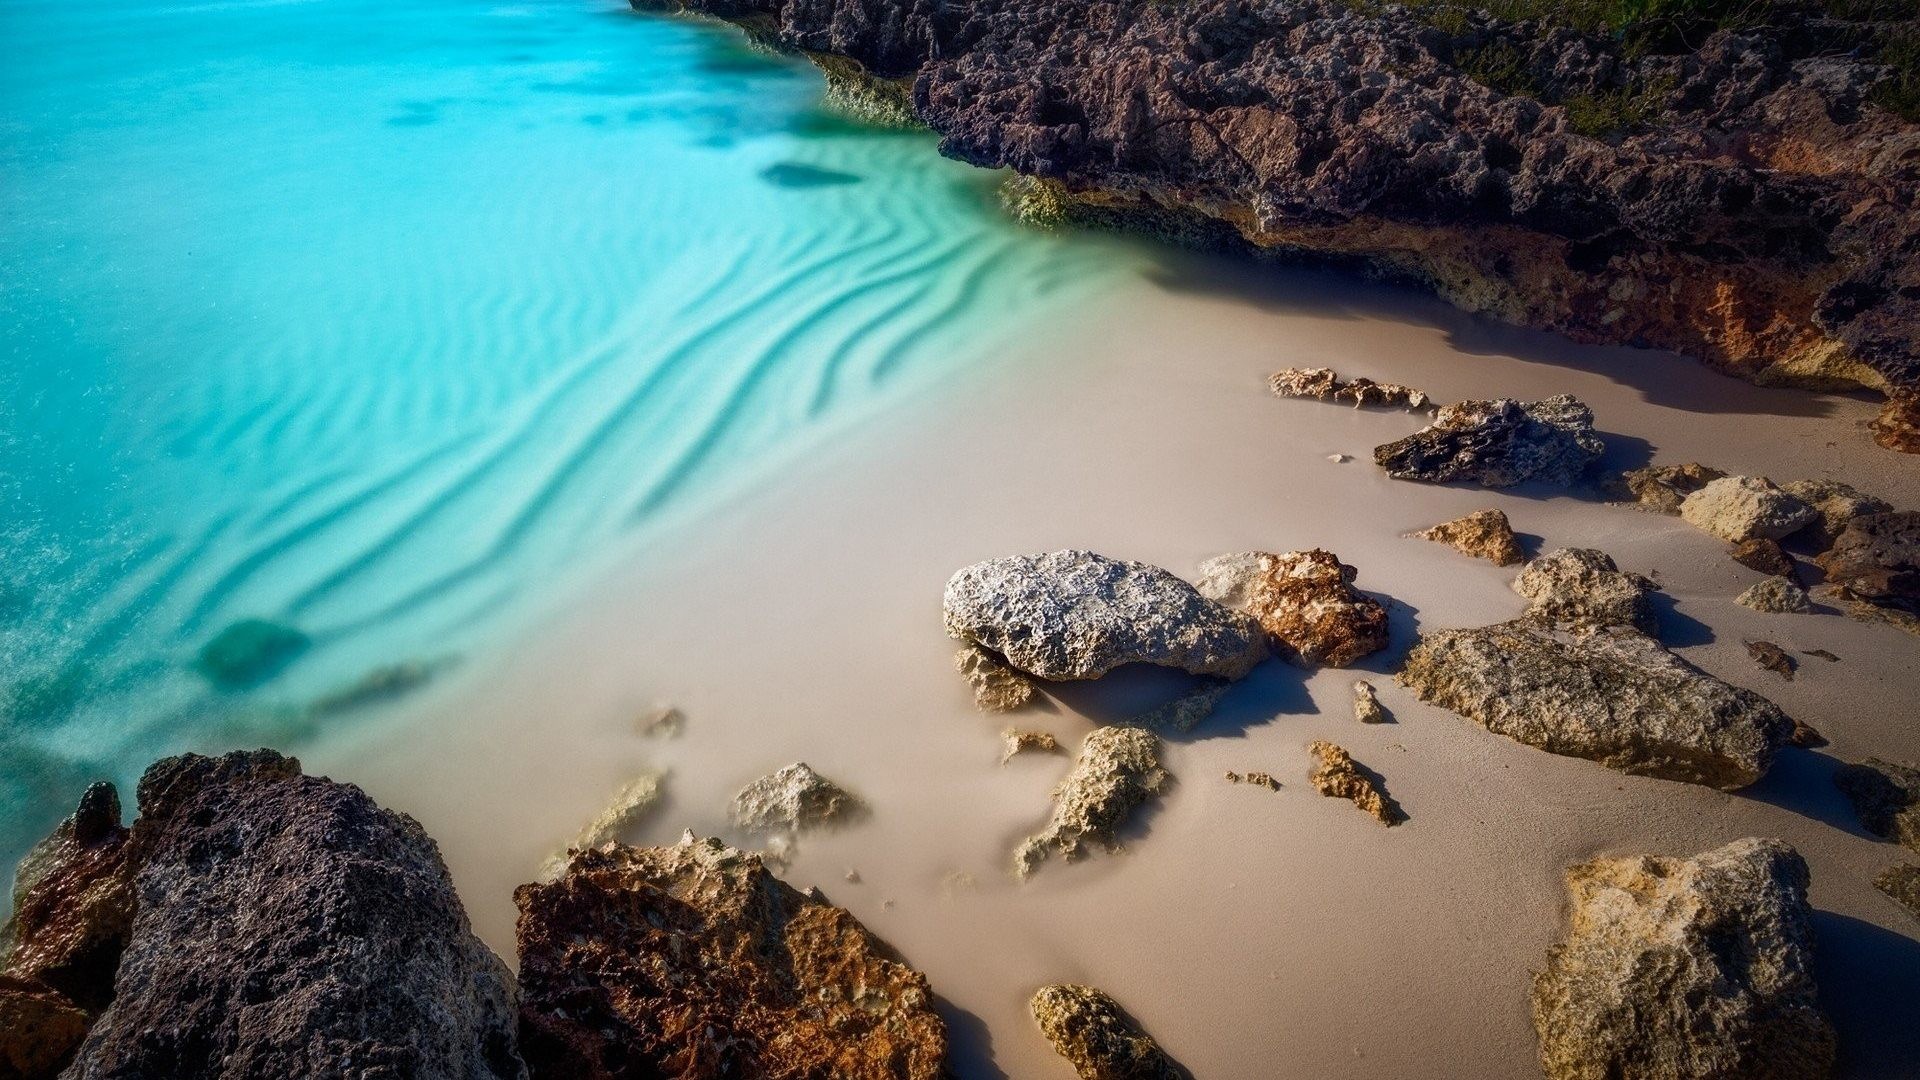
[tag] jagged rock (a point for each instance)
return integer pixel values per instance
(1772, 658)
(694, 961)
(1020, 742)
(626, 809)
(1118, 769)
(1322, 384)
(250, 652)
(665, 722)
(1581, 587)
(255, 884)
(1179, 716)
(1498, 444)
(1483, 534)
(794, 799)
(996, 687)
(1366, 704)
(1256, 778)
(1836, 503)
(1776, 595)
(1663, 487)
(1886, 798)
(1902, 885)
(1078, 615)
(1611, 695)
(1806, 736)
(1097, 1037)
(1698, 968)
(39, 1029)
(1876, 559)
(1336, 775)
(1767, 557)
(1737, 508)
(1304, 600)
(73, 904)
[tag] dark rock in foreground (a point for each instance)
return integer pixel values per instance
(694, 961)
(1097, 1036)
(1699, 968)
(1498, 444)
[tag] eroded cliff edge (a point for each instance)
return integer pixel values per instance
(1742, 187)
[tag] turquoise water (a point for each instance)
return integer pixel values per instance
(376, 321)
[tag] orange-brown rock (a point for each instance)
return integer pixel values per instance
(39, 1029)
(73, 904)
(1336, 775)
(1483, 534)
(1304, 600)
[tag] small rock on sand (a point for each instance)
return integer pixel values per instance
(1886, 798)
(1663, 488)
(1776, 595)
(1118, 769)
(1737, 508)
(1767, 557)
(1581, 587)
(1902, 884)
(794, 799)
(1336, 775)
(1304, 600)
(996, 687)
(1257, 779)
(1483, 534)
(1097, 1037)
(1016, 741)
(1498, 444)
(1366, 704)
(1772, 658)
(1322, 384)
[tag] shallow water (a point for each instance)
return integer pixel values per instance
(380, 321)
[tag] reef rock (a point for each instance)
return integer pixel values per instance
(1078, 615)
(1886, 798)
(794, 799)
(1767, 557)
(1876, 559)
(1699, 968)
(1663, 487)
(1902, 885)
(1498, 444)
(1773, 658)
(1776, 595)
(73, 904)
(996, 687)
(1611, 695)
(1119, 768)
(1366, 704)
(1322, 384)
(1014, 741)
(626, 809)
(1836, 503)
(1097, 1037)
(694, 961)
(1179, 716)
(1483, 534)
(1737, 508)
(1581, 587)
(1304, 600)
(1336, 775)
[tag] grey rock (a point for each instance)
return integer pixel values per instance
(1498, 444)
(794, 799)
(1366, 704)
(1736, 508)
(1583, 587)
(1886, 797)
(1776, 595)
(1118, 769)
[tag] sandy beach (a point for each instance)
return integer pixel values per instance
(1254, 933)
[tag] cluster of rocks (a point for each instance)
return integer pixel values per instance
(1322, 384)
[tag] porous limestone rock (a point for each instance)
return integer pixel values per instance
(1304, 600)
(1876, 560)
(1772, 658)
(1016, 741)
(1581, 587)
(793, 799)
(1077, 615)
(1097, 1037)
(1256, 777)
(39, 1029)
(1836, 503)
(1322, 384)
(1901, 883)
(1767, 557)
(1611, 695)
(996, 687)
(1736, 508)
(1483, 534)
(1699, 968)
(1776, 595)
(1179, 716)
(1366, 704)
(1886, 798)
(1118, 769)
(1336, 775)
(1662, 488)
(73, 904)
(628, 806)
(1498, 444)
(693, 961)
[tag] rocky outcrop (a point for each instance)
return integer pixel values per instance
(1776, 595)
(1876, 559)
(1498, 444)
(1118, 769)
(1304, 600)
(1097, 1037)
(1738, 508)
(1582, 587)
(1336, 775)
(996, 687)
(628, 807)
(1366, 704)
(1662, 487)
(1836, 503)
(794, 799)
(39, 1029)
(1901, 883)
(695, 961)
(1078, 615)
(1322, 384)
(1699, 968)
(1886, 798)
(1483, 534)
(1182, 714)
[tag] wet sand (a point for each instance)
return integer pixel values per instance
(1255, 933)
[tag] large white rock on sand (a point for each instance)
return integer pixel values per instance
(1696, 968)
(1078, 615)
(1736, 508)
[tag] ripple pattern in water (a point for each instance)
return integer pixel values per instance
(377, 319)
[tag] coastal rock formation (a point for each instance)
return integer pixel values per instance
(1498, 444)
(1767, 557)
(1304, 600)
(1663, 487)
(1886, 798)
(1483, 534)
(1179, 716)
(794, 799)
(1366, 704)
(1118, 769)
(1836, 503)
(695, 961)
(1014, 741)
(1336, 775)
(73, 904)
(1698, 967)
(625, 810)
(1776, 595)
(1611, 695)
(1901, 883)
(39, 1029)
(1581, 587)
(1255, 777)
(1078, 615)
(1097, 1036)
(1323, 385)
(1876, 559)
(1737, 508)
(996, 687)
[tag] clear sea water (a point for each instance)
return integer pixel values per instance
(378, 320)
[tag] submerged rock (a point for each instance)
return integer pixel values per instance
(1483, 534)
(1015, 742)
(1772, 658)
(250, 652)
(996, 687)
(1902, 885)
(1097, 1037)
(1836, 503)
(1663, 488)
(1738, 508)
(1322, 384)
(1498, 444)
(1182, 714)
(1304, 600)
(1336, 775)
(1078, 615)
(794, 799)
(1699, 968)
(626, 809)
(1581, 587)
(1366, 704)
(1777, 596)
(1767, 557)
(665, 722)
(1876, 559)
(1118, 769)
(1886, 798)
(694, 961)
(376, 686)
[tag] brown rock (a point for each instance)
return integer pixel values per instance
(1773, 658)
(1336, 775)
(1016, 741)
(1304, 600)
(1876, 559)
(1901, 884)
(1119, 768)
(73, 904)
(1483, 534)
(1097, 1036)
(996, 687)
(1836, 503)
(1767, 557)
(1324, 385)
(1886, 797)
(695, 961)
(1663, 487)
(39, 1029)
(1366, 704)
(1257, 779)
(1582, 587)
